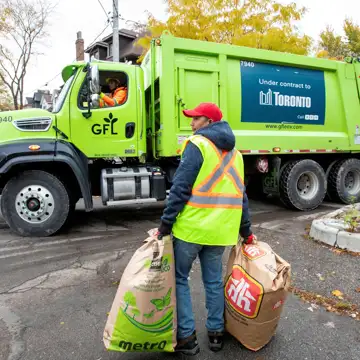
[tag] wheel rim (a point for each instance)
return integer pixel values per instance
(34, 204)
(352, 182)
(308, 185)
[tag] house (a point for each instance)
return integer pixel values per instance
(46, 102)
(35, 100)
(42, 99)
(129, 51)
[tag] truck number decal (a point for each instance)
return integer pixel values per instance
(282, 94)
(247, 64)
(6, 119)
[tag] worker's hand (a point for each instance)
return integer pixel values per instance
(164, 229)
(252, 239)
(95, 100)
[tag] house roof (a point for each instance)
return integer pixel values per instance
(123, 32)
(103, 43)
(97, 44)
(47, 98)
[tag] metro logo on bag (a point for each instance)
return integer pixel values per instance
(244, 293)
(253, 252)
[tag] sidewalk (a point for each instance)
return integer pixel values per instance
(65, 319)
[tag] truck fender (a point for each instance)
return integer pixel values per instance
(12, 154)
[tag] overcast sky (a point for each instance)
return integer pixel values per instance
(87, 16)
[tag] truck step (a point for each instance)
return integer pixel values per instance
(130, 202)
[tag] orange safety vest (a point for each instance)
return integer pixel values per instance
(118, 97)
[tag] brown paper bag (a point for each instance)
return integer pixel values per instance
(256, 287)
(143, 314)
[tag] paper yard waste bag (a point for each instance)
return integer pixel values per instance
(143, 314)
(256, 287)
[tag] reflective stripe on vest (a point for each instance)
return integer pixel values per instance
(203, 195)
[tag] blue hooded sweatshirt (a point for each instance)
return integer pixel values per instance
(222, 136)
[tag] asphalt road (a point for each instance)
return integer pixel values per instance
(55, 292)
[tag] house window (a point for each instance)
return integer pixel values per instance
(96, 54)
(110, 50)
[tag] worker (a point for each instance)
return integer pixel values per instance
(117, 96)
(207, 208)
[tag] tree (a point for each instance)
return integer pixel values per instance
(129, 299)
(332, 46)
(5, 100)
(263, 24)
(22, 29)
(337, 47)
(352, 33)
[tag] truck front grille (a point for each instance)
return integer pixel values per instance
(33, 124)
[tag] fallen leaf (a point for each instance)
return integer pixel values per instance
(330, 325)
(320, 277)
(62, 323)
(337, 293)
(107, 313)
(357, 290)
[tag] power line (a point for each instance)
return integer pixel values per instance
(106, 14)
(47, 82)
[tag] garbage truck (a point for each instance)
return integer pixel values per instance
(296, 121)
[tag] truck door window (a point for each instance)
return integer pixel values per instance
(114, 91)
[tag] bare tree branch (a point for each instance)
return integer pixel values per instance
(26, 24)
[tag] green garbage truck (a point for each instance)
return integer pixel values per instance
(296, 121)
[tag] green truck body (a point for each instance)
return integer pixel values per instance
(296, 121)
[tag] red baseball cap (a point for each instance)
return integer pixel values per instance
(209, 110)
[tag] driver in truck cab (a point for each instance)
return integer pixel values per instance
(117, 95)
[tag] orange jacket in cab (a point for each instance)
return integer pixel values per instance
(118, 97)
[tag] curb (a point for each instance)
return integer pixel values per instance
(334, 235)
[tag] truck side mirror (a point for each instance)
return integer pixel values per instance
(87, 114)
(94, 80)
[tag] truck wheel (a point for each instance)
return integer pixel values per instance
(344, 181)
(35, 203)
(302, 185)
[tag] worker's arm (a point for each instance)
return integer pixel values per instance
(118, 99)
(245, 226)
(181, 189)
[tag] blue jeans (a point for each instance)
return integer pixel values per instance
(211, 268)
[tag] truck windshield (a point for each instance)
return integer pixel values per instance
(61, 98)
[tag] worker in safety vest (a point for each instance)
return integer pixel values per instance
(207, 208)
(117, 96)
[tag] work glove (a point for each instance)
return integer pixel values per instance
(251, 239)
(163, 230)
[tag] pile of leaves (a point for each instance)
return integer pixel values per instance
(338, 303)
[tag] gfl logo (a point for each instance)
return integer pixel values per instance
(108, 126)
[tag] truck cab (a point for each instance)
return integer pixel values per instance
(48, 161)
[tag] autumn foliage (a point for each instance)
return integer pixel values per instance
(262, 24)
(336, 47)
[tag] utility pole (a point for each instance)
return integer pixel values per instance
(116, 49)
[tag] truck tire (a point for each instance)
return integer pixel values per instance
(302, 185)
(344, 181)
(35, 204)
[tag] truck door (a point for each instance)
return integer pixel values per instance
(196, 84)
(110, 131)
